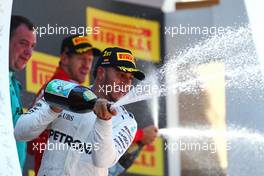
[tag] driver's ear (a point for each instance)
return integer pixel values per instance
(101, 73)
(64, 59)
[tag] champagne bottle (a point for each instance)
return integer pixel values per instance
(126, 160)
(130, 155)
(69, 96)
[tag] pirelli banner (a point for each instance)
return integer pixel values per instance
(139, 35)
(39, 70)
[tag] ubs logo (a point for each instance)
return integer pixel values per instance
(66, 116)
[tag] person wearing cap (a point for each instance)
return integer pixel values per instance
(116, 60)
(95, 140)
(76, 57)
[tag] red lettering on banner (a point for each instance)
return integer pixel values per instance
(149, 45)
(123, 35)
(146, 160)
(121, 40)
(41, 72)
(110, 38)
(147, 157)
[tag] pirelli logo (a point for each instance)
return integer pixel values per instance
(39, 70)
(42, 72)
(80, 40)
(125, 57)
(139, 35)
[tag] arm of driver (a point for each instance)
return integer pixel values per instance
(30, 125)
(114, 138)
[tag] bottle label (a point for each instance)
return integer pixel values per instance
(89, 95)
(60, 88)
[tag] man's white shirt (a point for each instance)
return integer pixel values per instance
(78, 144)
